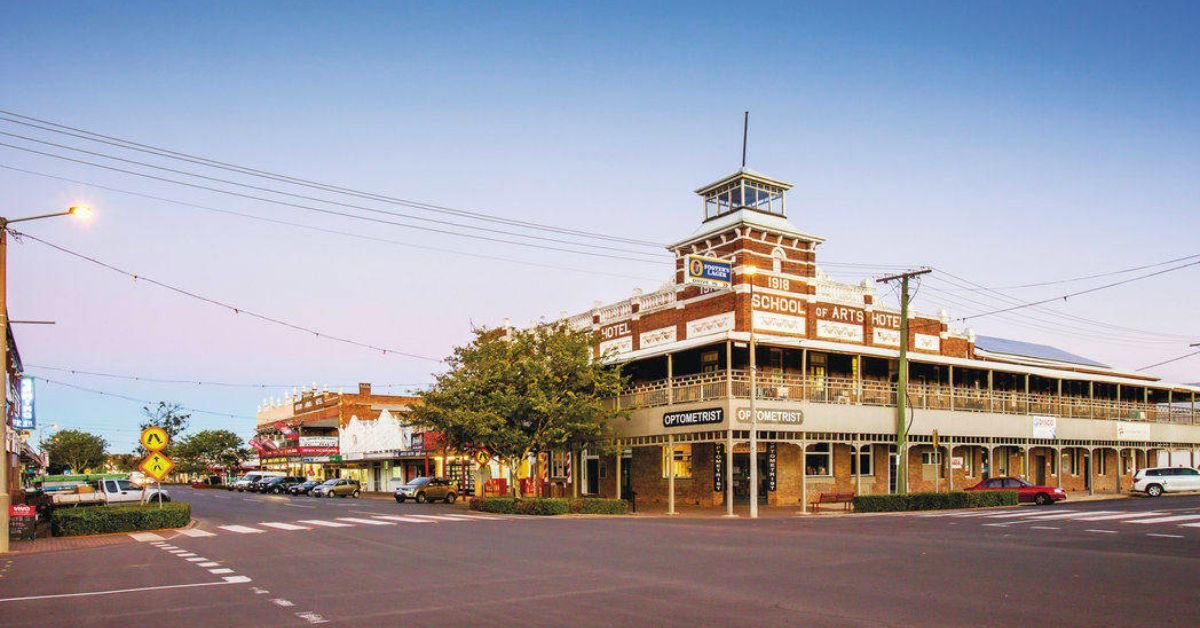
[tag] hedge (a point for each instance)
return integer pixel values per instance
(934, 501)
(109, 519)
(548, 506)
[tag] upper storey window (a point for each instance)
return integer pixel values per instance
(744, 190)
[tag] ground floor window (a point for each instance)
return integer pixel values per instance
(1101, 463)
(864, 461)
(1076, 460)
(968, 464)
(1127, 464)
(931, 457)
(818, 459)
(682, 461)
(1053, 464)
(560, 464)
(1001, 463)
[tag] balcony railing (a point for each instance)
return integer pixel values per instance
(866, 392)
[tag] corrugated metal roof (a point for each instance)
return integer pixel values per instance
(1032, 350)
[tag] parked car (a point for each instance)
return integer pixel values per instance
(1026, 492)
(279, 486)
(243, 483)
(1155, 481)
(340, 487)
(107, 492)
(425, 489)
(303, 488)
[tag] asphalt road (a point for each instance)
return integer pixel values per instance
(296, 561)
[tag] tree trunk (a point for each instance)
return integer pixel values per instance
(514, 468)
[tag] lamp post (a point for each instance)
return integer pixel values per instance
(751, 271)
(81, 212)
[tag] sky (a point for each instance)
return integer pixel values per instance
(1005, 143)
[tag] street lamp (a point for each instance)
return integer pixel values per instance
(751, 271)
(81, 212)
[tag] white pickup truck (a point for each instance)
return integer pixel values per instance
(109, 492)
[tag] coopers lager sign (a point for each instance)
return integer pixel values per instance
(707, 271)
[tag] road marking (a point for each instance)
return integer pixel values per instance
(402, 518)
(1164, 519)
(259, 590)
(962, 514)
(1189, 525)
(327, 524)
(1102, 531)
(365, 512)
(1071, 515)
(187, 555)
(1043, 528)
(145, 536)
(480, 517)
(1124, 515)
(241, 529)
(997, 525)
(283, 526)
(196, 532)
(1165, 536)
(235, 579)
(370, 522)
(168, 547)
(223, 496)
(198, 559)
(178, 551)
(220, 571)
(312, 617)
(114, 591)
(299, 506)
(1010, 515)
(436, 517)
(281, 602)
(209, 564)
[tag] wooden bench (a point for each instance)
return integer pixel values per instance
(846, 499)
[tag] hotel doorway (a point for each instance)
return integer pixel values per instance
(741, 477)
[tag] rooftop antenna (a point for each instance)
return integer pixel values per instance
(745, 132)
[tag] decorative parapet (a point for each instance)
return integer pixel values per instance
(832, 291)
(580, 322)
(616, 312)
(655, 301)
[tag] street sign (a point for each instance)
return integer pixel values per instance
(154, 439)
(157, 466)
(935, 439)
(707, 271)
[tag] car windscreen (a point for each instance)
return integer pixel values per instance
(419, 482)
(329, 483)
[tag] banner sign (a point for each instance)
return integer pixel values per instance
(693, 417)
(1045, 427)
(26, 419)
(707, 271)
(719, 469)
(771, 459)
(318, 441)
(770, 415)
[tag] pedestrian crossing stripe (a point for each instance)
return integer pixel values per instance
(195, 533)
(1165, 519)
(241, 529)
(1123, 515)
(327, 524)
(402, 518)
(282, 526)
(435, 517)
(1070, 515)
(370, 522)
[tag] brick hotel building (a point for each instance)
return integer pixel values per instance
(827, 356)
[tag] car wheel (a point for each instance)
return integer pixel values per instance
(1154, 490)
(164, 498)
(420, 498)
(354, 494)
(399, 500)
(1041, 499)
(450, 497)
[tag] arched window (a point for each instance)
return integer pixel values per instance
(777, 257)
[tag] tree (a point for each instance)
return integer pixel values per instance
(170, 417)
(196, 453)
(532, 391)
(124, 462)
(75, 450)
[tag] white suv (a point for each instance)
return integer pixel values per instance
(1156, 481)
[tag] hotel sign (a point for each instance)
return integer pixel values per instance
(693, 417)
(707, 271)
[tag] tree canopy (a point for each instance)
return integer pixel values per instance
(196, 453)
(535, 390)
(76, 450)
(170, 417)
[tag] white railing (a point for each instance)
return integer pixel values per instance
(616, 312)
(655, 301)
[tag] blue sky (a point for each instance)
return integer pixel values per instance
(1007, 143)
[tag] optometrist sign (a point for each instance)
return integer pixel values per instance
(693, 417)
(707, 271)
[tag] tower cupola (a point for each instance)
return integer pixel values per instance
(744, 189)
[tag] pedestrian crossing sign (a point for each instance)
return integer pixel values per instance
(157, 466)
(154, 439)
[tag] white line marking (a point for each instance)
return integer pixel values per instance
(1189, 525)
(198, 559)
(187, 555)
(236, 579)
(1043, 528)
(402, 518)
(167, 547)
(259, 590)
(1165, 536)
(370, 522)
(436, 517)
(1164, 519)
(281, 602)
(196, 532)
(93, 593)
(220, 571)
(312, 617)
(997, 525)
(241, 529)
(964, 514)
(209, 564)
(178, 552)
(464, 517)
(145, 536)
(1124, 515)
(299, 506)
(282, 526)
(365, 512)
(1071, 515)
(223, 496)
(1102, 531)
(327, 524)
(1009, 515)
(480, 517)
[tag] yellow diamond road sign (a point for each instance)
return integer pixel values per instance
(157, 466)
(154, 438)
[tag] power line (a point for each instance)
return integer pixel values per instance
(1081, 292)
(323, 210)
(323, 229)
(1099, 275)
(232, 308)
(1188, 355)
(171, 154)
(194, 382)
(135, 399)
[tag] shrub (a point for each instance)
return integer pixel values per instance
(544, 506)
(110, 519)
(934, 501)
(498, 505)
(597, 506)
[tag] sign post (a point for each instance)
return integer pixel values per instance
(156, 465)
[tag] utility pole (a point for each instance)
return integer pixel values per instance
(902, 380)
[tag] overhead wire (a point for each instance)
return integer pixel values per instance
(1099, 275)
(212, 163)
(137, 400)
(211, 301)
(1164, 362)
(196, 382)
